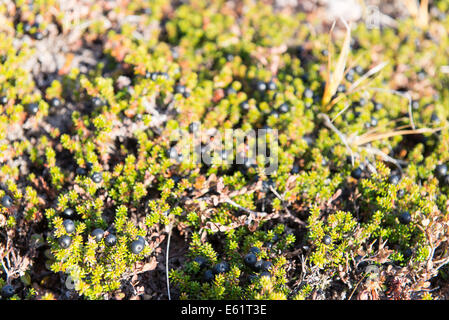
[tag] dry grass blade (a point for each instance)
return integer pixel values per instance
(423, 14)
(368, 74)
(334, 78)
(412, 7)
(419, 13)
(367, 138)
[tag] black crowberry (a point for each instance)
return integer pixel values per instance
(308, 93)
(208, 275)
(7, 291)
(378, 106)
(110, 240)
(266, 266)
(327, 240)
(254, 250)
(6, 201)
(244, 105)
(221, 267)
(137, 246)
(405, 218)
(201, 261)
(55, 102)
(68, 225)
(68, 213)
(96, 102)
(194, 127)
(261, 86)
(33, 108)
(271, 85)
(38, 35)
(250, 259)
(97, 234)
(258, 266)
(284, 108)
(81, 171)
(357, 173)
(3, 100)
(180, 89)
(394, 179)
(65, 241)
(97, 177)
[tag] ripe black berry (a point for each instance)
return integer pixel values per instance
(394, 179)
(148, 75)
(261, 86)
(407, 253)
(33, 108)
(266, 266)
(401, 193)
(441, 170)
(341, 88)
(267, 185)
(137, 246)
(38, 35)
(405, 218)
(180, 89)
(271, 85)
(96, 102)
(97, 234)
(26, 27)
(68, 213)
(7, 291)
(435, 119)
(284, 108)
(201, 261)
(378, 106)
(327, 240)
(244, 105)
(250, 259)
(194, 127)
(55, 102)
(7, 201)
(81, 171)
(258, 266)
(163, 75)
(357, 173)
(65, 241)
(141, 239)
(230, 90)
(254, 250)
(68, 225)
(97, 177)
(221, 267)
(359, 70)
(3, 100)
(349, 77)
(208, 275)
(308, 93)
(110, 240)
